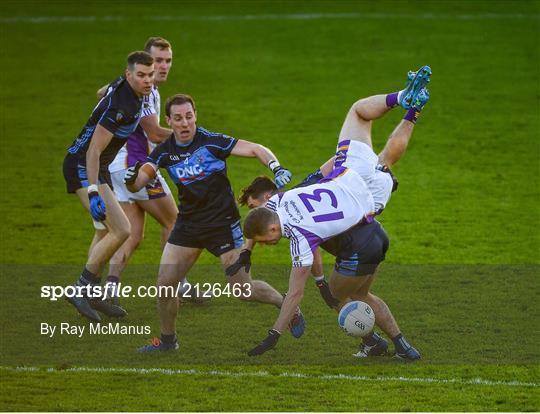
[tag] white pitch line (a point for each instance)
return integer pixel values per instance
(266, 374)
(302, 16)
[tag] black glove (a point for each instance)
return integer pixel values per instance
(269, 342)
(385, 169)
(244, 260)
(324, 290)
(132, 173)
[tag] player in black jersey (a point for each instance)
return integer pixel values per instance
(86, 173)
(208, 216)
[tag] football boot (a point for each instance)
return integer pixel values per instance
(416, 81)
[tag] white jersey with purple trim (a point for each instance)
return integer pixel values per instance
(151, 106)
(310, 215)
(360, 157)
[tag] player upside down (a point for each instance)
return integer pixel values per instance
(338, 213)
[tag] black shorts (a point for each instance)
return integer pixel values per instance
(75, 174)
(359, 250)
(217, 240)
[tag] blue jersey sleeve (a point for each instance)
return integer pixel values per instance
(113, 118)
(312, 178)
(159, 156)
(221, 145)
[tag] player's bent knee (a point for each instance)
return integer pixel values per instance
(121, 235)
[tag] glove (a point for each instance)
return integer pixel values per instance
(385, 169)
(97, 205)
(132, 173)
(282, 176)
(244, 260)
(324, 290)
(269, 342)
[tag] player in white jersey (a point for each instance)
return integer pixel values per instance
(156, 198)
(355, 191)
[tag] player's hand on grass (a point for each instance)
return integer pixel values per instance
(243, 261)
(131, 173)
(269, 342)
(97, 205)
(324, 290)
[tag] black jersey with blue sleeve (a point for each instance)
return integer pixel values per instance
(119, 112)
(199, 171)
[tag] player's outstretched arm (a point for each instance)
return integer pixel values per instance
(138, 175)
(266, 157)
(155, 132)
(297, 282)
(252, 150)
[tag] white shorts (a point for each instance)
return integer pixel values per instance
(156, 189)
(360, 158)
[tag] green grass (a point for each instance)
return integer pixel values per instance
(461, 274)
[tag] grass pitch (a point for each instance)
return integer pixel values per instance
(461, 274)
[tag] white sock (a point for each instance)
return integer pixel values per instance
(319, 279)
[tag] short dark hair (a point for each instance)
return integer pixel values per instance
(257, 188)
(178, 99)
(139, 57)
(158, 42)
(257, 222)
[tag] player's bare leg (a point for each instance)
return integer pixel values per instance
(359, 119)
(358, 122)
(119, 260)
(82, 193)
(383, 317)
(164, 211)
(176, 261)
(347, 288)
(117, 231)
(258, 290)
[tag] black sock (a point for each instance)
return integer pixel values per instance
(371, 339)
(400, 343)
(88, 278)
(284, 295)
(113, 279)
(168, 339)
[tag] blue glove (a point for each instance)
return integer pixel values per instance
(282, 176)
(97, 205)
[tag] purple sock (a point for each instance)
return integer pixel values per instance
(392, 99)
(412, 115)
